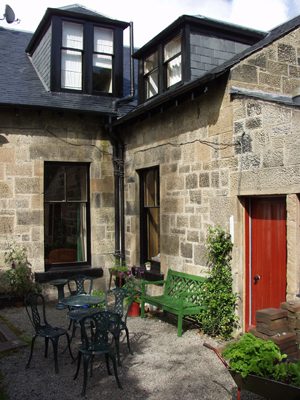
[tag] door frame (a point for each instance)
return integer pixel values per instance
(248, 246)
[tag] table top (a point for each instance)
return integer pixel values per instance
(82, 300)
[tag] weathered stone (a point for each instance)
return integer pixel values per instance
(195, 196)
(238, 127)
(273, 81)
(193, 236)
(7, 155)
(182, 221)
(29, 217)
(215, 179)
(204, 179)
(286, 53)
(131, 208)
(107, 200)
(28, 185)
(186, 250)
(260, 61)
(244, 73)
(276, 68)
(5, 190)
(253, 109)
(253, 123)
(175, 183)
(172, 205)
(6, 225)
(170, 245)
(191, 181)
(200, 254)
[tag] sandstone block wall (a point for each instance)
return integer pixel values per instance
(31, 138)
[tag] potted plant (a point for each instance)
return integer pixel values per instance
(133, 290)
(19, 277)
(120, 271)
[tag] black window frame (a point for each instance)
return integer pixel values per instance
(87, 57)
(78, 264)
(144, 209)
(162, 64)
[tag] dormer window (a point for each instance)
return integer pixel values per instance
(172, 61)
(162, 68)
(151, 75)
(71, 56)
(103, 60)
(79, 51)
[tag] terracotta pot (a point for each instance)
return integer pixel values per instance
(134, 310)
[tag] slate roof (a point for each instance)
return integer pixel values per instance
(187, 87)
(21, 86)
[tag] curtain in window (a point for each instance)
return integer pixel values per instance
(174, 71)
(71, 56)
(103, 40)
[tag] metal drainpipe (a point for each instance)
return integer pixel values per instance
(118, 163)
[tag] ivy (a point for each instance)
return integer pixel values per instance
(218, 318)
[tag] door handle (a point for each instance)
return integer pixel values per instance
(256, 278)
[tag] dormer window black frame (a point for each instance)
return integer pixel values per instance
(162, 67)
(87, 63)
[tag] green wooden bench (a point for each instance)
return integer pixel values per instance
(181, 296)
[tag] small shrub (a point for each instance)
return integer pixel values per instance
(19, 276)
(251, 355)
(219, 318)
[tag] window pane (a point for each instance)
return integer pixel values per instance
(72, 35)
(152, 84)
(102, 73)
(172, 48)
(150, 63)
(55, 183)
(76, 183)
(65, 233)
(71, 70)
(174, 71)
(103, 40)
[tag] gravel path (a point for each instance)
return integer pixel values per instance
(163, 366)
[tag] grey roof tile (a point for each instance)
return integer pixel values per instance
(21, 86)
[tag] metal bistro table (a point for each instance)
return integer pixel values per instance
(80, 306)
(59, 284)
(81, 300)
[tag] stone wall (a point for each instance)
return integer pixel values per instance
(214, 151)
(32, 137)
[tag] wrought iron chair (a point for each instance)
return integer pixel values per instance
(119, 306)
(35, 307)
(95, 342)
(79, 284)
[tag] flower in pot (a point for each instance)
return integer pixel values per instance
(120, 271)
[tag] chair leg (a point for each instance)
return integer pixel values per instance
(86, 360)
(31, 352)
(128, 342)
(78, 365)
(113, 358)
(117, 343)
(107, 364)
(46, 346)
(69, 346)
(55, 347)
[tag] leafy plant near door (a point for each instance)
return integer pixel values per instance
(251, 355)
(19, 276)
(218, 317)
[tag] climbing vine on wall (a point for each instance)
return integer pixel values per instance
(218, 317)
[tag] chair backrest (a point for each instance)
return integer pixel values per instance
(80, 284)
(120, 306)
(35, 308)
(95, 329)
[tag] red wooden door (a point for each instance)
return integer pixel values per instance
(265, 255)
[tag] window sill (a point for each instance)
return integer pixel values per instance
(67, 272)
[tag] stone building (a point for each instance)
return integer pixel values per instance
(212, 140)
